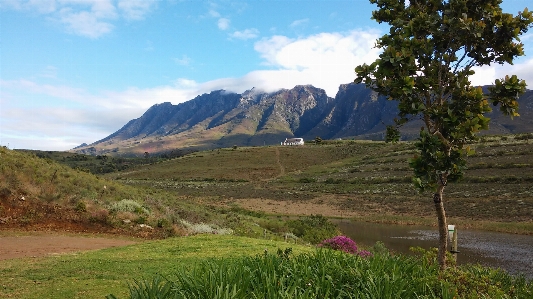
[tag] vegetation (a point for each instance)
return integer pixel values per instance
(427, 59)
(344, 244)
(328, 274)
(207, 192)
(366, 180)
(245, 190)
(101, 164)
(313, 229)
(202, 264)
(38, 193)
(95, 274)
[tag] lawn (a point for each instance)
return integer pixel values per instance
(95, 274)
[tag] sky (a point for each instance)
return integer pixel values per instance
(75, 71)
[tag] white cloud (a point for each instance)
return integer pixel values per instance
(324, 60)
(84, 23)
(298, 23)
(488, 74)
(184, 60)
(89, 18)
(213, 13)
(223, 23)
(184, 83)
(246, 34)
(65, 117)
(136, 9)
(41, 6)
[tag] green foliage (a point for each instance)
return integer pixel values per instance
(392, 134)
(427, 58)
(475, 281)
(330, 274)
(80, 207)
(434, 164)
(307, 180)
(313, 229)
(99, 164)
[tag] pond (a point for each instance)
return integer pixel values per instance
(513, 253)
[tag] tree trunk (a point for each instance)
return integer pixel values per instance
(443, 228)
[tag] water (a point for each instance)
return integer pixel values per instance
(513, 253)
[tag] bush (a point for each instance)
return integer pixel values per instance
(344, 244)
(81, 207)
(307, 180)
(313, 229)
(204, 228)
(341, 243)
(128, 205)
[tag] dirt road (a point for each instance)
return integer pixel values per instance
(42, 244)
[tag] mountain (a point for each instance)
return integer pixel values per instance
(224, 119)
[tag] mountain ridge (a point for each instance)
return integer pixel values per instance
(224, 119)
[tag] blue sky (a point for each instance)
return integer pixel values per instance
(74, 71)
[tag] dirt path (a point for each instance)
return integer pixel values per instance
(43, 244)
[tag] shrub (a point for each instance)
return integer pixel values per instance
(341, 243)
(313, 229)
(344, 244)
(128, 205)
(81, 207)
(204, 228)
(307, 180)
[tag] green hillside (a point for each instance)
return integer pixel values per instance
(236, 188)
(366, 180)
(41, 194)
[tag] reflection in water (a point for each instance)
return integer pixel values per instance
(513, 253)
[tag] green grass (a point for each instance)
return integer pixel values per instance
(211, 266)
(95, 274)
(327, 274)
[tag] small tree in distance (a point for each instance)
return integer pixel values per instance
(427, 59)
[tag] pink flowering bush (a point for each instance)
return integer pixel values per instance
(345, 244)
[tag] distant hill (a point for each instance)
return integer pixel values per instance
(223, 119)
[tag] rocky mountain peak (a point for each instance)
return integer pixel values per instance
(255, 117)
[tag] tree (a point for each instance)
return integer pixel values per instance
(427, 59)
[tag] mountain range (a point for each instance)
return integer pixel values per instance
(253, 118)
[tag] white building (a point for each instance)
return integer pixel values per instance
(293, 141)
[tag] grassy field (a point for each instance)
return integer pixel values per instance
(211, 266)
(95, 274)
(366, 180)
